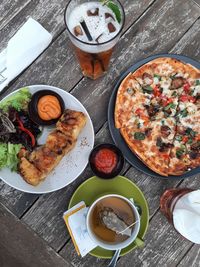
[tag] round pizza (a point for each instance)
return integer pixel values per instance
(157, 111)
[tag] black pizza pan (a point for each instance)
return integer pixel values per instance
(115, 133)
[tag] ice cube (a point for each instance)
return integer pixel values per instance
(93, 12)
(78, 31)
(108, 15)
(111, 27)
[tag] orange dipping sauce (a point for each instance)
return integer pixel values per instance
(49, 108)
(105, 160)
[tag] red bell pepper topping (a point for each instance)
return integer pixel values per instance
(189, 98)
(138, 111)
(22, 128)
(186, 87)
(185, 139)
(156, 91)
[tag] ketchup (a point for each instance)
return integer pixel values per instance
(105, 160)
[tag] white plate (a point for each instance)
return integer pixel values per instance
(72, 164)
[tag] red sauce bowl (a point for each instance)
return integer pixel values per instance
(106, 161)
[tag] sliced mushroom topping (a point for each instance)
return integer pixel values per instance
(165, 130)
(147, 78)
(167, 112)
(196, 146)
(148, 132)
(163, 147)
(194, 155)
(177, 82)
(181, 130)
(152, 109)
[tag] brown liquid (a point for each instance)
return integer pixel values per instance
(93, 65)
(121, 208)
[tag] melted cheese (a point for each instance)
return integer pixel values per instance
(165, 84)
(196, 90)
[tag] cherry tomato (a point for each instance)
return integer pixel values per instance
(138, 111)
(186, 87)
(185, 139)
(156, 91)
(165, 156)
(189, 98)
(167, 101)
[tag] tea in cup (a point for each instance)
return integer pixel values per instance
(113, 222)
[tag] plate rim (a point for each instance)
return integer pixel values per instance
(138, 189)
(110, 114)
(90, 122)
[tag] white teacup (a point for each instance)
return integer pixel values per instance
(122, 244)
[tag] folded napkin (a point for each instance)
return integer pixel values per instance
(22, 49)
(186, 216)
(75, 219)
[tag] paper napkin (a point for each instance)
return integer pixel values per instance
(75, 219)
(22, 49)
(186, 216)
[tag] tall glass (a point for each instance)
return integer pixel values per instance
(93, 56)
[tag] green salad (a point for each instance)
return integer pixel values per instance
(10, 142)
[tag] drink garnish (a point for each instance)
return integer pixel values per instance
(85, 28)
(113, 7)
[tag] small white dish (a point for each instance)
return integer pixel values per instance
(72, 164)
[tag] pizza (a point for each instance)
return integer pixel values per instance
(157, 112)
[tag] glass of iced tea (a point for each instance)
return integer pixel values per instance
(94, 28)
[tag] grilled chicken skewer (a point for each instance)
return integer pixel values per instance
(35, 166)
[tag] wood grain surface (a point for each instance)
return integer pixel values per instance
(152, 26)
(20, 246)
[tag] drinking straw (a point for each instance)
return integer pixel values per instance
(85, 28)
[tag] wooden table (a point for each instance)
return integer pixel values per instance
(32, 231)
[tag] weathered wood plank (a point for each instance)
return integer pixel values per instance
(150, 35)
(197, 2)
(192, 38)
(192, 258)
(9, 9)
(163, 245)
(20, 246)
(15, 200)
(48, 12)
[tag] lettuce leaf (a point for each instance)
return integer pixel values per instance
(18, 100)
(8, 155)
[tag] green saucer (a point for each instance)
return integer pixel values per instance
(95, 187)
